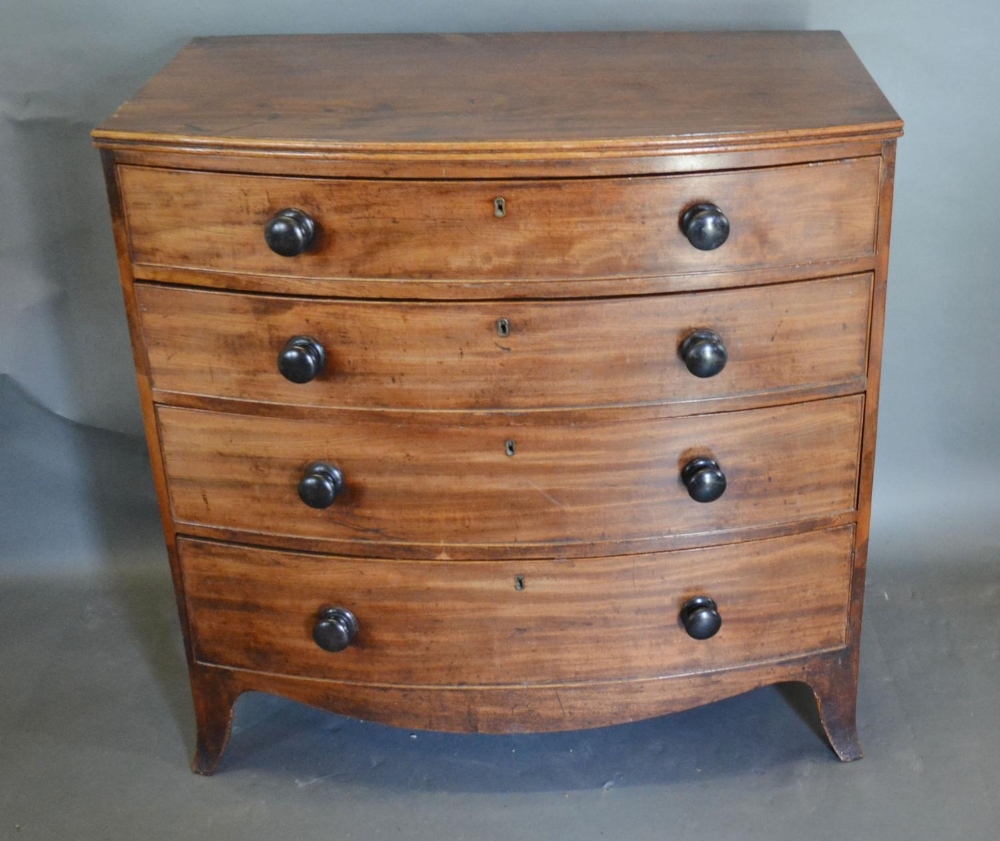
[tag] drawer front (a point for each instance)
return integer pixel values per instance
(553, 229)
(517, 622)
(512, 355)
(439, 480)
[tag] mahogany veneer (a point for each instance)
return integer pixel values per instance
(577, 482)
(510, 382)
(447, 354)
(551, 229)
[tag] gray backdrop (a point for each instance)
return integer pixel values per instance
(66, 66)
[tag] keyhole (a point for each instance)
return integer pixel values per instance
(499, 207)
(510, 447)
(518, 582)
(503, 328)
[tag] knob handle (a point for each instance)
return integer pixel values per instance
(705, 226)
(290, 232)
(301, 359)
(335, 628)
(704, 479)
(700, 618)
(320, 485)
(704, 353)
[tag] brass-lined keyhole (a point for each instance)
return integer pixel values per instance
(503, 328)
(499, 207)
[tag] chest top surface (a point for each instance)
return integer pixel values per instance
(507, 92)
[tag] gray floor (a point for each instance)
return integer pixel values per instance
(96, 724)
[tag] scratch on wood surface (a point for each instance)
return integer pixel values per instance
(547, 495)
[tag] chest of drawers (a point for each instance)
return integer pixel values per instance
(510, 382)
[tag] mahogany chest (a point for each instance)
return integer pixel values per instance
(510, 382)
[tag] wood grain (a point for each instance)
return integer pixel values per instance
(150, 426)
(556, 354)
(549, 93)
(426, 289)
(445, 480)
(488, 709)
(838, 697)
(589, 162)
(446, 230)
(437, 623)
(598, 142)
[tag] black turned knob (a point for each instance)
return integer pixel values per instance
(705, 226)
(704, 479)
(704, 353)
(700, 618)
(320, 484)
(290, 232)
(301, 359)
(335, 628)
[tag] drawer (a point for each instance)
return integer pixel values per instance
(509, 355)
(517, 622)
(436, 480)
(552, 229)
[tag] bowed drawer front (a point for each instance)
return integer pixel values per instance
(449, 480)
(547, 623)
(495, 385)
(800, 337)
(548, 230)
